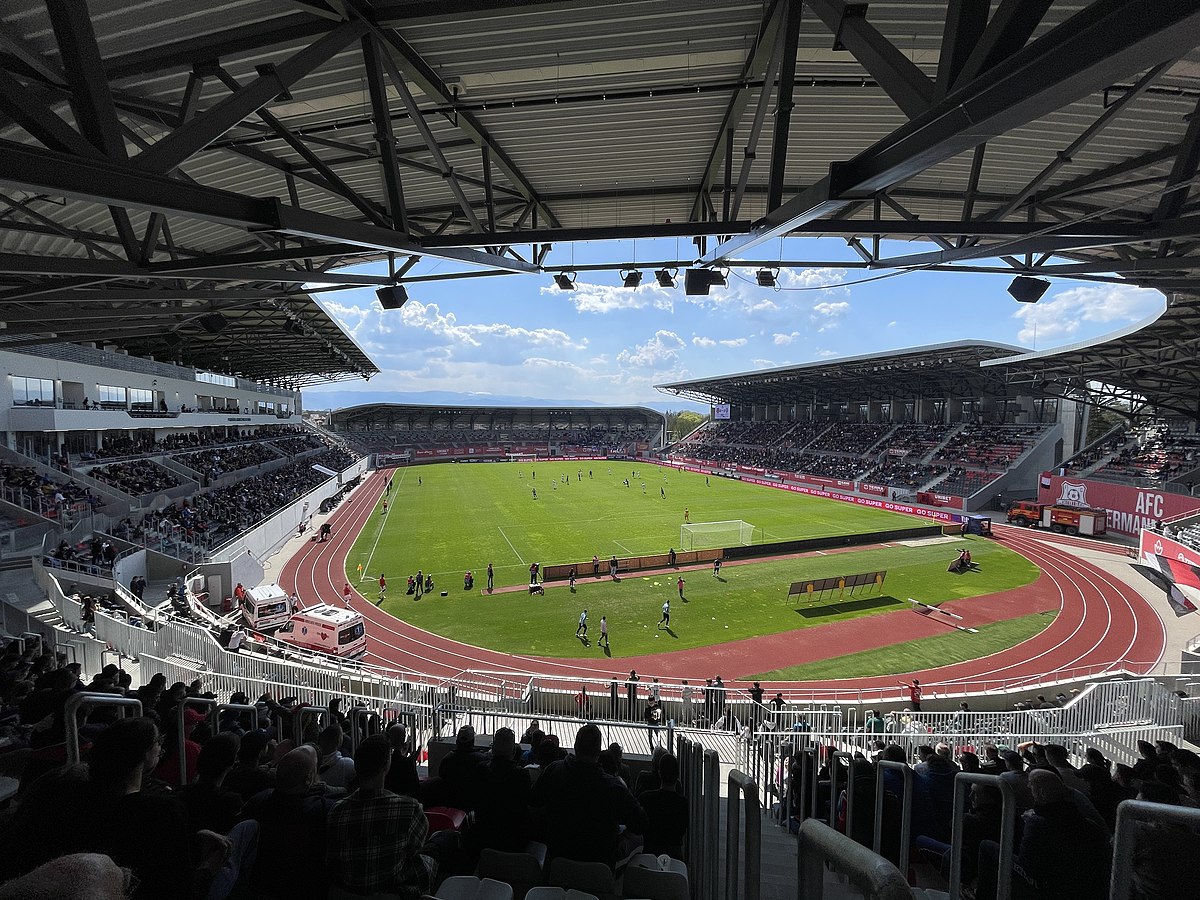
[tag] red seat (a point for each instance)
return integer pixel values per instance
(445, 818)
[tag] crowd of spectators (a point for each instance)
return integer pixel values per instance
(136, 478)
(907, 473)
(38, 492)
(145, 444)
(1065, 815)
(232, 803)
(596, 438)
(1160, 454)
(212, 517)
(853, 438)
(989, 447)
(294, 446)
(214, 463)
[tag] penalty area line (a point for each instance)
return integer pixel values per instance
(510, 545)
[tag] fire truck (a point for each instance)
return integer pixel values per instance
(1062, 519)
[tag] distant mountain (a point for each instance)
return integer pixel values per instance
(317, 400)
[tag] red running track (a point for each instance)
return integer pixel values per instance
(1103, 625)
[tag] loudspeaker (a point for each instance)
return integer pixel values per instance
(696, 282)
(392, 297)
(1028, 290)
(213, 323)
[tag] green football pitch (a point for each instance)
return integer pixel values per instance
(445, 519)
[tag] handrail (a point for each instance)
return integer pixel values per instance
(209, 705)
(1008, 814)
(741, 783)
(85, 700)
(873, 875)
(712, 819)
(357, 713)
(906, 803)
(833, 793)
(1130, 814)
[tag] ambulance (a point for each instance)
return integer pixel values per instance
(328, 629)
(265, 607)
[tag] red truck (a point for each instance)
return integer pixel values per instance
(1062, 519)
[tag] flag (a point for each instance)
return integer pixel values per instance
(1179, 602)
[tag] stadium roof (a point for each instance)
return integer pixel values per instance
(162, 163)
(939, 370)
(369, 414)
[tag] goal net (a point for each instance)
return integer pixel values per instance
(706, 535)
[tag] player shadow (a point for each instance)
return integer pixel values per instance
(607, 651)
(833, 609)
(668, 630)
(720, 579)
(583, 639)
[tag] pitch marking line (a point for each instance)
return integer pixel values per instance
(510, 545)
(382, 526)
(623, 547)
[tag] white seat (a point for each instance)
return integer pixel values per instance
(646, 877)
(593, 877)
(468, 887)
(557, 893)
(522, 870)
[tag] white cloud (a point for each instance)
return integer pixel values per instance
(826, 354)
(606, 298)
(701, 341)
(827, 313)
(733, 342)
(763, 363)
(782, 339)
(429, 317)
(660, 350)
(892, 324)
(1057, 320)
(812, 278)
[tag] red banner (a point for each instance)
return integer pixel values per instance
(1130, 509)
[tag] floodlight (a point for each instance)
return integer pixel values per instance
(213, 323)
(766, 277)
(565, 281)
(1028, 290)
(696, 282)
(632, 277)
(666, 277)
(392, 297)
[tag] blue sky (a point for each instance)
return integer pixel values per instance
(520, 336)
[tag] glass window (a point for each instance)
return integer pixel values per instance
(139, 397)
(214, 378)
(109, 393)
(350, 634)
(36, 391)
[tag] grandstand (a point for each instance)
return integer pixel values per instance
(183, 185)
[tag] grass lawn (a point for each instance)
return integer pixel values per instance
(930, 652)
(457, 513)
(451, 517)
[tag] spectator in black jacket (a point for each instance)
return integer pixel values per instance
(502, 810)
(459, 771)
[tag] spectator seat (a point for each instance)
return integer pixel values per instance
(337, 893)
(468, 887)
(645, 877)
(523, 870)
(557, 893)
(593, 877)
(445, 818)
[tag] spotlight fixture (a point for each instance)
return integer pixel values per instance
(1028, 290)
(666, 277)
(766, 277)
(632, 277)
(696, 282)
(213, 323)
(565, 281)
(392, 297)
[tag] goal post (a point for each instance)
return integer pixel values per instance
(707, 535)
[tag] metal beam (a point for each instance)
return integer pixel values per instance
(192, 137)
(103, 181)
(756, 61)
(414, 68)
(1183, 170)
(965, 24)
(749, 152)
(423, 129)
(385, 140)
(23, 106)
(793, 10)
(908, 86)
(1010, 28)
(1096, 180)
(1094, 48)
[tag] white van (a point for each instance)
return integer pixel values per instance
(266, 607)
(330, 629)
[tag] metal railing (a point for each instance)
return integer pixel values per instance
(1130, 815)
(81, 701)
(700, 775)
(743, 786)
(821, 846)
(906, 804)
(1008, 815)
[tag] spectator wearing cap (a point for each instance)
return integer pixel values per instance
(460, 771)
(375, 837)
(1143, 769)
(292, 821)
(582, 807)
(1062, 855)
